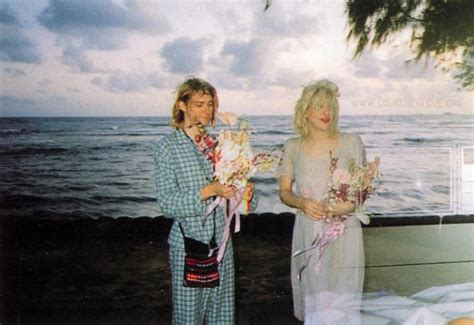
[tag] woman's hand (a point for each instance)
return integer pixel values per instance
(217, 189)
(339, 208)
(312, 208)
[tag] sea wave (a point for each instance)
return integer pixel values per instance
(273, 132)
(424, 140)
(37, 151)
(121, 199)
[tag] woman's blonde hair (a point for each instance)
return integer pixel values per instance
(316, 94)
(185, 92)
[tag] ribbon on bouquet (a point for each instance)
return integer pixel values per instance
(322, 240)
(231, 209)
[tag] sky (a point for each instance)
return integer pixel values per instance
(126, 58)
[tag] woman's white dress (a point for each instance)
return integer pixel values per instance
(331, 293)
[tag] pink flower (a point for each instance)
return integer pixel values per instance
(341, 176)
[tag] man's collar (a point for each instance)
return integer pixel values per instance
(182, 137)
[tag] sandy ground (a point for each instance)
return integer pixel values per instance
(115, 271)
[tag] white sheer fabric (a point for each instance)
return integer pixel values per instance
(432, 306)
(331, 293)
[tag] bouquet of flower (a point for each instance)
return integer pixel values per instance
(234, 163)
(231, 154)
(354, 185)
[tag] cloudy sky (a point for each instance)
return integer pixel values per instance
(125, 58)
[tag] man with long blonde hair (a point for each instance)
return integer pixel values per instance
(185, 188)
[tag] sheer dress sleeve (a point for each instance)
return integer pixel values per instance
(286, 167)
(358, 150)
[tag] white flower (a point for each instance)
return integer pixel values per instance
(228, 118)
(230, 150)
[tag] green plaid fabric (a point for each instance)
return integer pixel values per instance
(215, 306)
(180, 172)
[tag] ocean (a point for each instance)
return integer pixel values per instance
(103, 166)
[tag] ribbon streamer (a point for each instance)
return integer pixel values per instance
(322, 240)
(217, 202)
(231, 210)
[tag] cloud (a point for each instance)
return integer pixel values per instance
(96, 25)
(245, 65)
(183, 55)
(7, 16)
(15, 45)
(49, 106)
(394, 67)
(44, 83)
(247, 58)
(71, 16)
(399, 68)
(121, 82)
(255, 62)
(287, 25)
(43, 86)
(94, 39)
(7, 101)
(224, 15)
(224, 80)
(159, 81)
(126, 83)
(283, 20)
(16, 106)
(97, 82)
(290, 78)
(368, 66)
(77, 59)
(14, 72)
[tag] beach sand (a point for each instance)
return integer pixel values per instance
(115, 271)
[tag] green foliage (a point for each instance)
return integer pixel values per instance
(443, 29)
(466, 73)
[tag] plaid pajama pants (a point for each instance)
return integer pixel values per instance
(215, 306)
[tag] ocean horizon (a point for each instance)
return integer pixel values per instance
(248, 115)
(103, 166)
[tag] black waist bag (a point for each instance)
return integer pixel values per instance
(200, 267)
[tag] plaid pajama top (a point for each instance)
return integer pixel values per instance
(181, 171)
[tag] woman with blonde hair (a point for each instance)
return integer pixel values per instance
(327, 293)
